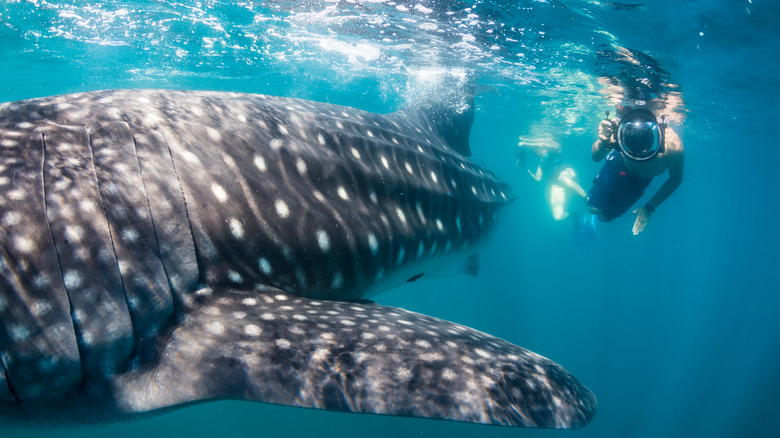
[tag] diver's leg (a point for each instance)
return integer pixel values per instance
(558, 202)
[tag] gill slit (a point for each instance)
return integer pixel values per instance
(198, 260)
(76, 328)
(104, 208)
(175, 299)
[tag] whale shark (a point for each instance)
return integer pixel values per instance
(160, 248)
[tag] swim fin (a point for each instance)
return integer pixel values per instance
(584, 229)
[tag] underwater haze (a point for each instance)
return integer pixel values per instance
(676, 330)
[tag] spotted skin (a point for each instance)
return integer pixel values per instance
(166, 247)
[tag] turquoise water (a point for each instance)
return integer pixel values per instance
(676, 330)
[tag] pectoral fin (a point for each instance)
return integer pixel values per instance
(270, 346)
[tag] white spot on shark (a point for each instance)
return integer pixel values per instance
(373, 244)
(482, 353)
(420, 212)
(323, 240)
(401, 215)
(219, 192)
(235, 277)
(236, 228)
(130, 235)
(213, 133)
(343, 193)
(189, 156)
(16, 195)
(19, 332)
(282, 209)
(260, 163)
(40, 307)
(300, 165)
(12, 218)
(72, 279)
(432, 357)
(403, 374)
(24, 244)
(320, 355)
(215, 328)
(265, 266)
(252, 330)
(422, 343)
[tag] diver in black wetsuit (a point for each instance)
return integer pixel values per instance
(637, 148)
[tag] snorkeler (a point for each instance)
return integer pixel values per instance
(637, 148)
(559, 178)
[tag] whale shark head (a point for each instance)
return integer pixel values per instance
(159, 248)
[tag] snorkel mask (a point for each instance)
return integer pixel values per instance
(639, 135)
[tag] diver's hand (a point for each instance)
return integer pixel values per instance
(642, 218)
(607, 132)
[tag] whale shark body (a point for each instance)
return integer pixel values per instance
(160, 248)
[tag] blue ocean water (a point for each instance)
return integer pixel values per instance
(676, 330)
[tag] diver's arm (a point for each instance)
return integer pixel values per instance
(606, 137)
(521, 156)
(676, 164)
(598, 151)
(538, 175)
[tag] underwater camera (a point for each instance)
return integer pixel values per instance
(639, 135)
